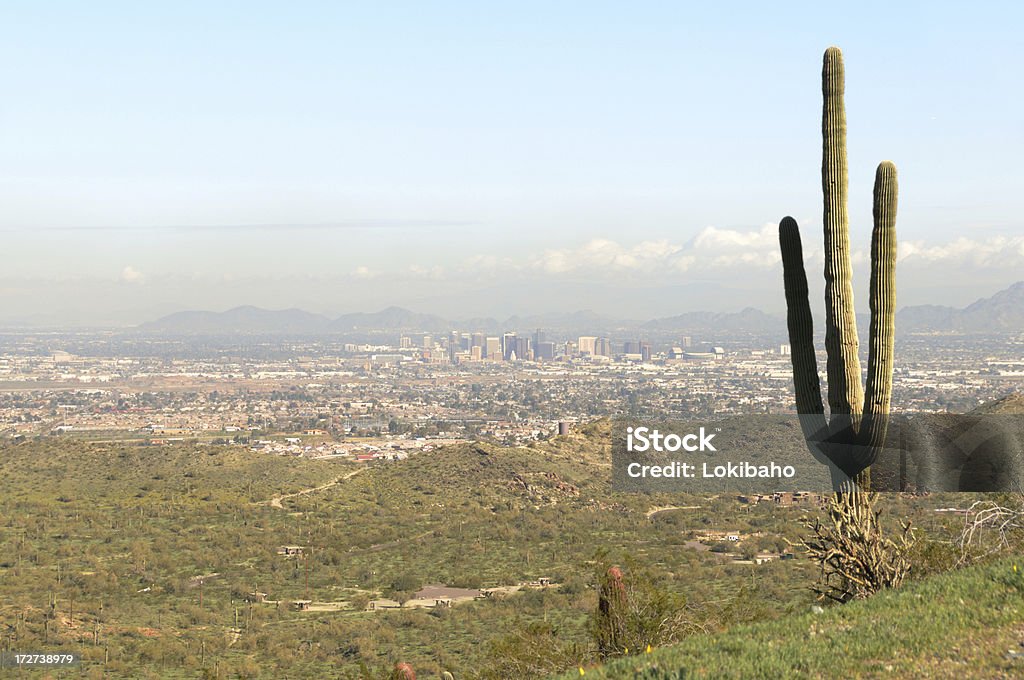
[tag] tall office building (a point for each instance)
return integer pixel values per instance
(492, 348)
(645, 351)
(508, 346)
(428, 342)
(405, 342)
(602, 347)
(454, 345)
(544, 351)
(523, 351)
(585, 344)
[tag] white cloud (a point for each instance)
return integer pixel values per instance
(713, 238)
(132, 275)
(420, 272)
(604, 254)
(711, 249)
(362, 272)
(995, 252)
(732, 252)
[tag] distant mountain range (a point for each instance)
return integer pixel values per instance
(1002, 312)
(749, 320)
(256, 321)
(245, 319)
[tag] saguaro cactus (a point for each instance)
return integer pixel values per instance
(850, 440)
(611, 613)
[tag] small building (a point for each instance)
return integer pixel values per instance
(291, 550)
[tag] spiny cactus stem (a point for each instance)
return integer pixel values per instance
(878, 393)
(843, 366)
(799, 321)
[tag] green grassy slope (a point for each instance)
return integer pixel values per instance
(965, 624)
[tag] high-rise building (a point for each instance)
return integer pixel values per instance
(428, 342)
(545, 351)
(631, 347)
(539, 336)
(405, 342)
(508, 346)
(454, 345)
(492, 348)
(585, 344)
(476, 340)
(523, 351)
(645, 351)
(602, 347)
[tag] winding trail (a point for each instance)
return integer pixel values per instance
(665, 508)
(276, 501)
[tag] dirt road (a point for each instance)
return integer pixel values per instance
(276, 501)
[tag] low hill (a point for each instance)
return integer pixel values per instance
(242, 320)
(392, 318)
(1010, 404)
(964, 624)
(749, 320)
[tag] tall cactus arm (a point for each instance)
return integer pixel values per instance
(806, 384)
(883, 307)
(843, 366)
(799, 321)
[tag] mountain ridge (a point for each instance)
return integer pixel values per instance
(1002, 312)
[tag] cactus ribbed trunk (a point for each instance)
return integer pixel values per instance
(611, 613)
(843, 366)
(878, 393)
(798, 320)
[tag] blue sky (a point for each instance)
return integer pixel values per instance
(342, 156)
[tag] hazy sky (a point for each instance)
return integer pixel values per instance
(488, 158)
